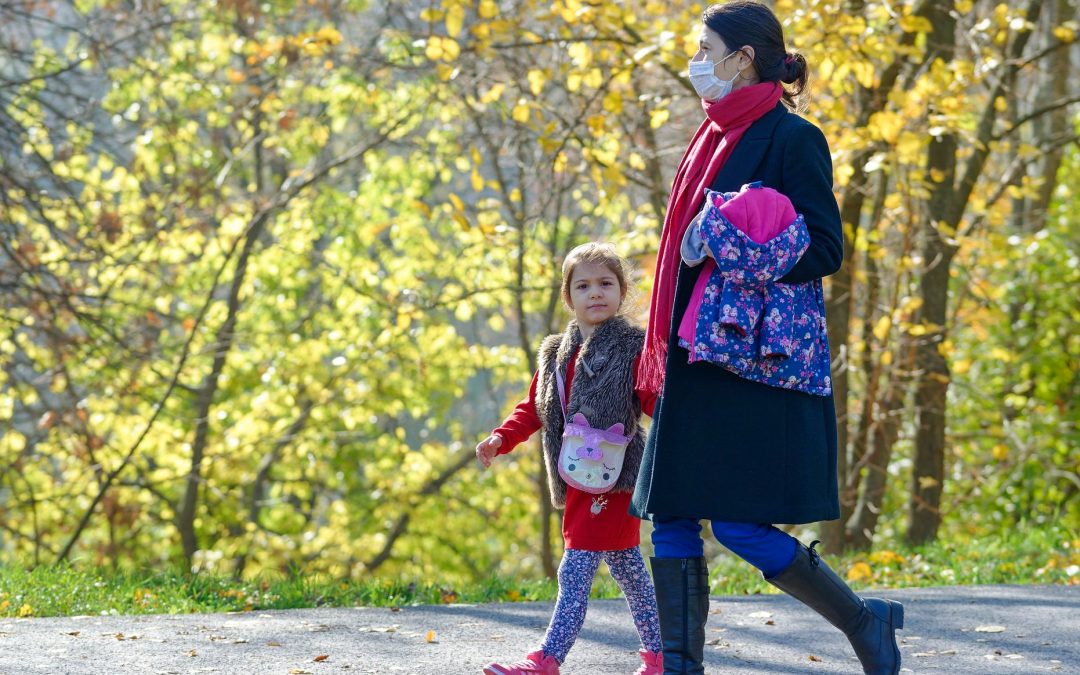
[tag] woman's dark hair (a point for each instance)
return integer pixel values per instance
(743, 22)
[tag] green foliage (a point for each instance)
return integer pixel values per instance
(293, 261)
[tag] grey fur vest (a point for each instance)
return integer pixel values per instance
(602, 391)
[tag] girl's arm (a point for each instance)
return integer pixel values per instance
(521, 423)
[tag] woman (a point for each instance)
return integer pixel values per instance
(742, 453)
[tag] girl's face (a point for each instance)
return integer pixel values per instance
(595, 294)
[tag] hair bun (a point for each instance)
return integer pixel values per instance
(794, 68)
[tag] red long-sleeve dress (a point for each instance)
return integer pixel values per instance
(613, 528)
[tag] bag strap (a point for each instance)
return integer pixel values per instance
(562, 391)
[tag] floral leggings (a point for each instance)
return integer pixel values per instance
(576, 574)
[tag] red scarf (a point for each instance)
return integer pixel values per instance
(711, 146)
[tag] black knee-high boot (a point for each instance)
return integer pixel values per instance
(868, 623)
(682, 598)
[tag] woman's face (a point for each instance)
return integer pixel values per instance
(728, 64)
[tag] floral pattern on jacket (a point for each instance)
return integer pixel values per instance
(748, 322)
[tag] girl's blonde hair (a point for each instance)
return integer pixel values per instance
(594, 253)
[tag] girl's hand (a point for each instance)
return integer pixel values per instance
(488, 448)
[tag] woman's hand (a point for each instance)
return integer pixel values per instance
(488, 448)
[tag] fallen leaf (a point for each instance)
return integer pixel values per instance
(814, 658)
(431, 638)
(239, 641)
(74, 633)
(193, 653)
(990, 629)
(299, 671)
(273, 644)
(770, 622)
(321, 657)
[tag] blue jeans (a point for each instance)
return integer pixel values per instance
(763, 546)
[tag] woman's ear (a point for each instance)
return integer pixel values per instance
(748, 52)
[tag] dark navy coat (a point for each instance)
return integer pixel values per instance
(725, 448)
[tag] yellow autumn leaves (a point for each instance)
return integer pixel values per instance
(22, 612)
(447, 48)
(442, 48)
(864, 572)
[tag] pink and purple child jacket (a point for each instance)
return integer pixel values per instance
(740, 316)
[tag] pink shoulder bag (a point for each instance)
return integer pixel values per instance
(590, 459)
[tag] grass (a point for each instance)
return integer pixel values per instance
(1023, 557)
(1048, 555)
(69, 590)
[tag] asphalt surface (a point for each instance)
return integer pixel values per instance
(980, 629)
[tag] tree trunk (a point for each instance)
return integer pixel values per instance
(1056, 123)
(880, 424)
(948, 200)
(932, 370)
(840, 306)
(933, 385)
(838, 311)
(884, 432)
(223, 341)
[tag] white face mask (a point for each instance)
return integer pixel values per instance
(707, 85)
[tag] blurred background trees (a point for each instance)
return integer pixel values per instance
(268, 271)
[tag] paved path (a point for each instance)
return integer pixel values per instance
(983, 629)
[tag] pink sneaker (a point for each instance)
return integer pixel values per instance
(652, 663)
(533, 663)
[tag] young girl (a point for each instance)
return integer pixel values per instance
(586, 375)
